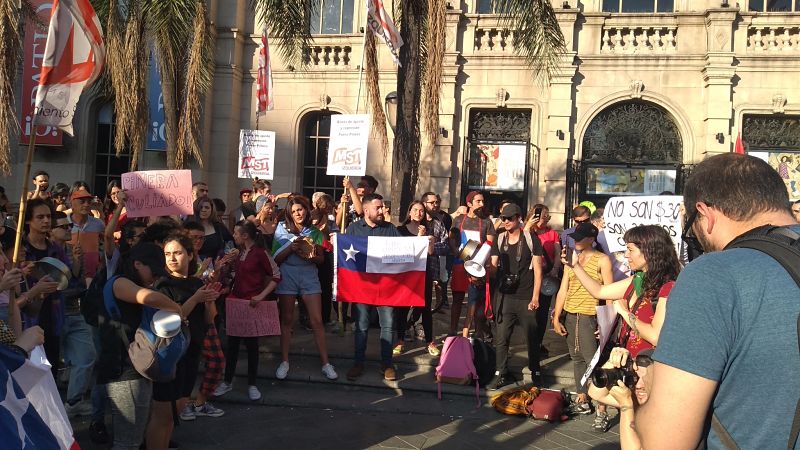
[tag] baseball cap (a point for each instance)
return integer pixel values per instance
(245, 191)
(584, 230)
(150, 255)
(511, 210)
(80, 193)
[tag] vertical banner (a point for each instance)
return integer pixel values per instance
(157, 137)
(256, 154)
(34, 45)
(347, 148)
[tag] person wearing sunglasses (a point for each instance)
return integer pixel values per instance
(728, 346)
(580, 214)
(624, 398)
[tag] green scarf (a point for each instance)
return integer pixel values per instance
(638, 282)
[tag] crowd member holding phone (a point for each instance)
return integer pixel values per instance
(538, 222)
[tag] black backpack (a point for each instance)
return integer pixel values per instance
(484, 359)
(783, 245)
(92, 304)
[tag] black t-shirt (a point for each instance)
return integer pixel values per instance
(214, 244)
(509, 253)
(113, 363)
(7, 237)
(180, 290)
(404, 231)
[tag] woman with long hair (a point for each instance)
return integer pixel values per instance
(192, 295)
(217, 236)
(652, 257)
(297, 247)
(257, 275)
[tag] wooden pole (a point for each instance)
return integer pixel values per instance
(23, 201)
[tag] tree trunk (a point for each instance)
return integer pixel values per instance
(405, 157)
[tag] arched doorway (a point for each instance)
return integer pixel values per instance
(630, 148)
(316, 131)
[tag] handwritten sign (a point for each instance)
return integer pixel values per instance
(347, 148)
(624, 213)
(158, 192)
(256, 154)
(397, 251)
(243, 320)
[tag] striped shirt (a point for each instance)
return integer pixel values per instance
(579, 300)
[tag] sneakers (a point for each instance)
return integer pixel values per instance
(500, 380)
(329, 372)
(398, 349)
(81, 408)
(253, 393)
(389, 373)
(601, 422)
(222, 389)
(355, 372)
(208, 410)
(98, 433)
(420, 332)
(433, 350)
(188, 412)
(584, 408)
(282, 371)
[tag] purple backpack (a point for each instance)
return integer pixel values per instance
(456, 365)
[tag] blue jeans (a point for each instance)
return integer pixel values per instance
(79, 354)
(385, 319)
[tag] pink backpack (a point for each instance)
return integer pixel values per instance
(456, 365)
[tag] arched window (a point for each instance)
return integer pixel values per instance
(631, 148)
(316, 129)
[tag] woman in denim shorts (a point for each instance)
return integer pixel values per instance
(298, 263)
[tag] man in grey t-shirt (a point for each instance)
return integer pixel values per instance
(729, 341)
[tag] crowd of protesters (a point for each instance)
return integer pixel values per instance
(279, 248)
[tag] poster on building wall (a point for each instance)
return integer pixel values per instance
(788, 166)
(34, 43)
(347, 148)
(615, 180)
(502, 165)
(158, 193)
(256, 154)
(157, 136)
(624, 213)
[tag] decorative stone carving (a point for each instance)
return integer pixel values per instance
(778, 103)
(501, 97)
(324, 101)
(500, 125)
(637, 86)
(328, 56)
(638, 40)
(492, 39)
(767, 38)
(771, 132)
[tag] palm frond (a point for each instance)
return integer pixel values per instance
(10, 56)
(537, 34)
(434, 49)
(289, 24)
(199, 74)
(374, 94)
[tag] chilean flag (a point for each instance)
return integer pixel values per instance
(380, 271)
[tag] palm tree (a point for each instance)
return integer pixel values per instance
(537, 38)
(179, 35)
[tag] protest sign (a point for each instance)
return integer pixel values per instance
(256, 154)
(158, 193)
(347, 148)
(623, 213)
(243, 320)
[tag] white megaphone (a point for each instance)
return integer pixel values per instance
(474, 255)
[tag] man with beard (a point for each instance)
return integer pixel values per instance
(475, 226)
(728, 347)
(432, 202)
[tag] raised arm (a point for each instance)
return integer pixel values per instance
(108, 236)
(611, 291)
(129, 292)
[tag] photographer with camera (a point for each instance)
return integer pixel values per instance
(624, 382)
(519, 280)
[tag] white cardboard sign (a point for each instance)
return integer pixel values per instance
(347, 148)
(256, 154)
(624, 213)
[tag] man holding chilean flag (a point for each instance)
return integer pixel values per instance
(375, 268)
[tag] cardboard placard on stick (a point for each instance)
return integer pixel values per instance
(158, 193)
(347, 148)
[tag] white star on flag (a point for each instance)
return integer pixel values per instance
(17, 407)
(351, 253)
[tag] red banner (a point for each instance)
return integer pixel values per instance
(35, 41)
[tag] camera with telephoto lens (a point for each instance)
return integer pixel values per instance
(607, 378)
(509, 283)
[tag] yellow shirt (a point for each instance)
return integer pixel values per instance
(579, 300)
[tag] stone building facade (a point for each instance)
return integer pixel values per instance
(646, 89)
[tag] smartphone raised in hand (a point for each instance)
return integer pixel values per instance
(568, 255)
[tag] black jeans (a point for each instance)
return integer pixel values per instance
(543, 315)
(581, 343)
(515, 312)
(232, 357)
(425, 311)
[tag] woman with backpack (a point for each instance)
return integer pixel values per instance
(130, 393)
(192, 295)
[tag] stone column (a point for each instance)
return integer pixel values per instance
(718, 81)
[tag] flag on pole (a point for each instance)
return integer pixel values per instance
(73, 59)
(31, 413)
(380, 271)
(264, 79)
(382, 25)
(739, 147)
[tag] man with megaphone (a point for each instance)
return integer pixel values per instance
(472, 226)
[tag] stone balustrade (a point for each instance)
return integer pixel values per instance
(494, 39)
(325, 56)
(773, 38)
(639, 40)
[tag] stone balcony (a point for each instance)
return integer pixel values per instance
(634, 40)
(774, 34)
(334, 52)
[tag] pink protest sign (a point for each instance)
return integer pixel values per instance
(158, 192)
(243, 320)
